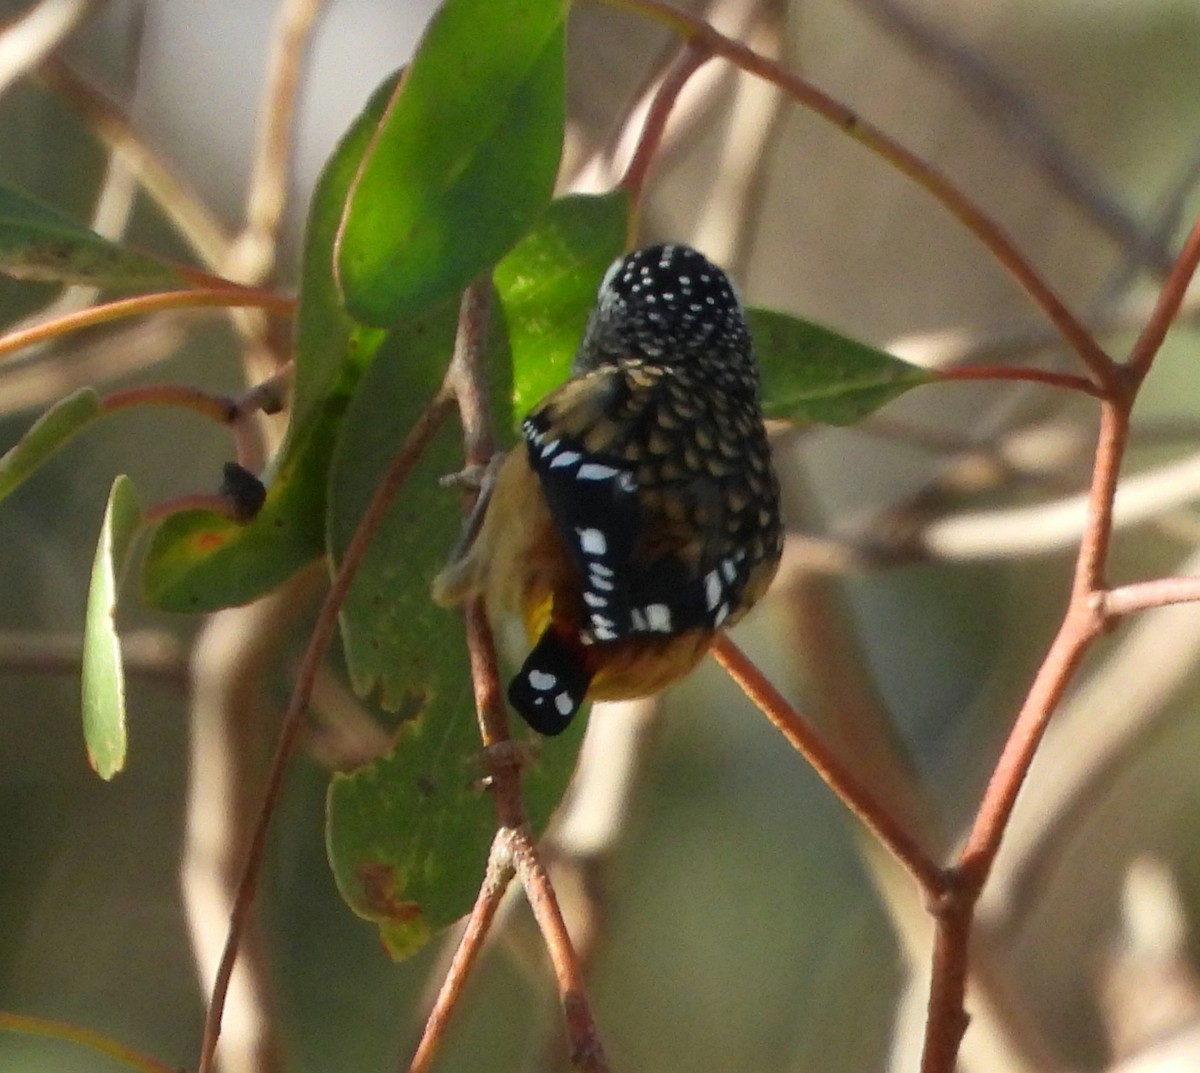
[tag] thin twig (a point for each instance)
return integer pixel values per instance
(145, 303)
(500, 869)
(891, 833)
(25, 41)
(397, 472)
(587, 1052)
(1013, 114)
(83, 1037)
(466, 376)
(691, 58)
(1144, 595)
(219, 408)
(252, 256)
(986, 229)
(1016, 372)
(1170, 298)
(208, 237)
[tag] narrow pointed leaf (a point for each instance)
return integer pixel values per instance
(463, 161)
(56, 427)
(103, 673)
(39, 244)
(812, 374)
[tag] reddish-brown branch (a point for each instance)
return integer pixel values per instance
(1016, 372)
(587, 1052)
(499, 873)
(1169, 300)
(1081, 625)
(1144, 595)
(890, 832)
(469, 384)
(227, 296)
(695, 30)
(219, 408)
(691, 58)
(397, 473)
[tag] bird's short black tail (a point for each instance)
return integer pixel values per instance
(551, 685)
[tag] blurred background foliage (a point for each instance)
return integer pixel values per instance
(742, 923)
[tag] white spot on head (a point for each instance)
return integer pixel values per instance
(592, 541)
(542, 681)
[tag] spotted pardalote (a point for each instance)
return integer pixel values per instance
(640, 514)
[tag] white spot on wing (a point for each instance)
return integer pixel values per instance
(565, 703)
(712, 589)
(567, 458)
(596, 471)
(542, 681)
(592, 541)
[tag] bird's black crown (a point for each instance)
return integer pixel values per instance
(666, 304)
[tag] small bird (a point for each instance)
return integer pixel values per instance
(641, 513)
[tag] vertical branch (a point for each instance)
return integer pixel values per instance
(397, 473)
(1085, 619)
(467, 380)
(495, 883)
(587, 1052)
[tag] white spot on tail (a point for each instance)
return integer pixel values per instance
(658, 618)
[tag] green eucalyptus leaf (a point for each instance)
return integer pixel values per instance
(39, 244)
(103, 672)
(463, 161)
(547, 286)
(812, 374)
(56, 427)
